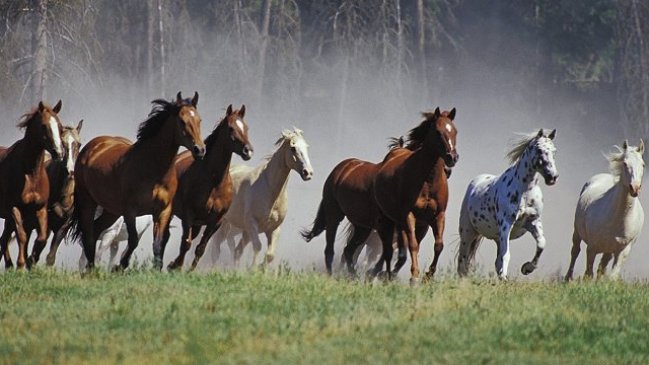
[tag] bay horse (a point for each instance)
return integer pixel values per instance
(609, 216)
(503, 208)
(205, 186)
(24, 186)
(133, 179)
(260, 198)
(411, 189)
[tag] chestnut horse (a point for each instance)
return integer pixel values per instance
(205, 187)
(133, 179)
(24, 186)
(411, 189)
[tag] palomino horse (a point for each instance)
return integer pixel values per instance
(609, 216)
(24, 186)
(504, 207)
(205, 186)
(260, 197)
(61, 175)
(133, 179)
(411, 189)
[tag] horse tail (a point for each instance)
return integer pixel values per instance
(74, 232)
(318, 226)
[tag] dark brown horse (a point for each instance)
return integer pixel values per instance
(205, 187)
(348, 192)
(133, 179)
(61, 175)
(411, 188)
(24, 186)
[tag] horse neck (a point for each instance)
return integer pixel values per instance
(61, 183)
(218, 157)
(162, 148)
(622, 202)
(422, 165)
(276, 172)
(521, 174)
(32, 152)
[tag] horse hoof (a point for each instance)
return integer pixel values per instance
(116, 268)
(414, 282)
(173, 266)
(527, 268)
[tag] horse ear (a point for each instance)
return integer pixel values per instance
(195, 99)
(179, 98)
(540, 134)
(641, 147)
(451, 115)
(79, 126)
(552, 134)
(57, 107)
(625, 145)
(40, 106)
(437, 113)
(229, 110)
(242, 111)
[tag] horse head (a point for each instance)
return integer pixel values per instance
(543, 151)
(297, 156)
(49, 132)
(632, 168)
(71, 146)
(189, 131)
(238, 130)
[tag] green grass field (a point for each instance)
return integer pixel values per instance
(282, 317)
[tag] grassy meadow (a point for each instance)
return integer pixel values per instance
(278, 316)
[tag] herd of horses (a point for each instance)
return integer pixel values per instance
(48, 183)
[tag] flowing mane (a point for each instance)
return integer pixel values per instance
(28, 117)
(159, 113)
(396, 142)
(519, 146)
(417, 135)
(615, 160)
(286, 135)
(211, 139)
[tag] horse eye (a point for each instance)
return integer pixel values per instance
(293, 148)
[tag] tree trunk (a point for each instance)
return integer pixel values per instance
(421, 48)
(163, 85)
(150, 32)
(39, 51)
(264, 23)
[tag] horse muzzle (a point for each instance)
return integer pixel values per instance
(247, 152)
(306, 174)
(451, 159)
(634, 190)
(198, 152)
(551, 180)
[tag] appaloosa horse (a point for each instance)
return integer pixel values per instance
(133, 179)
(24, 186)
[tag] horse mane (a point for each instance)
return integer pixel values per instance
(28, 117)
(211, 139)
(519, 146)
(286, 135)
(159, 113)
(396, 142)
(616, 160)
(417, 135)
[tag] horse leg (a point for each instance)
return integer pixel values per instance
(217, 241)
(590, 260)
(133, 238)
(536, 229)
(403, 245)
(386, 233)
(4, 242)
(503, 255)
(469, 242)
(438, 232)
(574, 253)
(21, 236)
(41, 238)
(272, 238)
(87, 208)
(619, 260)
(161, 219)
(414, 249)
(59, 234)
(207, 234)
(603, 262)
(357, 239)
(238, 251)
(185, 244)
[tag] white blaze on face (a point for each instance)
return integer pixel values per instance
(69, 162)
(240, 125)
(191, 113)
(56, 137)
(448, 127)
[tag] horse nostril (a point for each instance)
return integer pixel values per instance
(199, 151)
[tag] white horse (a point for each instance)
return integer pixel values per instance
(609, 216)
(504, 207)
(260, 199)
(113, 235)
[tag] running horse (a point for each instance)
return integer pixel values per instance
(411, 190)
(205, 187)
(133, 179)
(25, 187)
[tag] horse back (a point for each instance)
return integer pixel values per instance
(350, 184)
